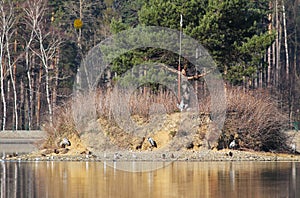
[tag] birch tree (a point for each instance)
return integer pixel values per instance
(2, 67)
(9, 22)
(285, 41)
(278, 43)
(33, 15)
(48, 42)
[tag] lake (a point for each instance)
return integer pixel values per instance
(176, 179)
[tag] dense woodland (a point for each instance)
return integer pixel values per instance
(255, 44)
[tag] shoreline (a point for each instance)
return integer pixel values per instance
(160, 156)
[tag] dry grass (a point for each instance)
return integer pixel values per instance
(115, 107)
(115, 103)
(253, 117)
(63, 125)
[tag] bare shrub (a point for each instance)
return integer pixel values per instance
(204, 104)
(63, 125)
(81, 115)
(255, 121)
(84, 110)
(253, 117)
(140, 102)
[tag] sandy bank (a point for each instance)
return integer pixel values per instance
(203, 155)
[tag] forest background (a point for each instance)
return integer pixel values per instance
(254, 43)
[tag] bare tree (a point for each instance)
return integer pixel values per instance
(32, 14)
(2, 40)
(285, 41)
(48, 42)
(7, 22)
(269, 52)
(10, 21)
(278, 43)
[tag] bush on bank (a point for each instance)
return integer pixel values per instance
(253, 118)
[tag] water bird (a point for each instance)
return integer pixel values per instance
(172, 156)
(182, 106)
(134, 156)
(3, 155)
(116, 156)
(293, 147)
(152, 142)
(232, 144)
(65, 142)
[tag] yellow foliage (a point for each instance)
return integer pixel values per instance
(78, 23)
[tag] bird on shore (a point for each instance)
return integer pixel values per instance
(152, 142)
(65, 142)
(232, 144)
(293, 147)
(116, 156)
(182, 106)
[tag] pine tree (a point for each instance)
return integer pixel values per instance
(223, 27)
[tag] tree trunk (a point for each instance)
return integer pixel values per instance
(2, 71)
(22, 107)
(30, 91)
(56, 76)
(38, 98)
(10, 65)
(269, 52)
(287, 64)
(296, 12)
(2, 64)
(30, 81)
(278, 45)
(48, 95)
(78, 77)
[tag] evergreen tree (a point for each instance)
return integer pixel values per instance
(226, 28)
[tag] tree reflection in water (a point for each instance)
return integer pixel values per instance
(180, 179)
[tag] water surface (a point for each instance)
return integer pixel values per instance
(179, 179)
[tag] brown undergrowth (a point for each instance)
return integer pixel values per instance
(93, 120)
(254, 121)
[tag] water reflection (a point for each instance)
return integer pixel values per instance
(180, 179)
